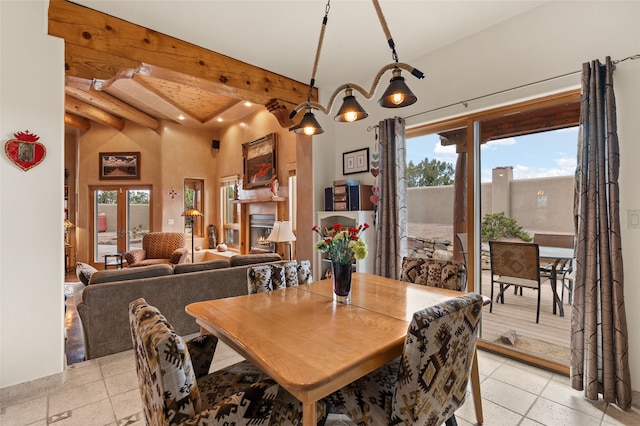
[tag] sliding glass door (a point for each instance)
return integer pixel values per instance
(121, 217)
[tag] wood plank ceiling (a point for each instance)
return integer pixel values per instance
(118, 71)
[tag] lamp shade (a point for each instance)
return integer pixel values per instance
(309, 125)
(398, 94)
(191, 213)
(281, 232)
(68, 224)
(350, 110)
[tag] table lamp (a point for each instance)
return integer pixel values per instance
(282, 233)
(192, 213)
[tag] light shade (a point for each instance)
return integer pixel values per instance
(191, 213)
(350, 110)
(398, 94)
(281, 233)
(309, 125)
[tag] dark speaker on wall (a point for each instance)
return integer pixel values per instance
(215, 144)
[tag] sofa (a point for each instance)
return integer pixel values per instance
(103, 304)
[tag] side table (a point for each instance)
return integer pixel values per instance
(117, 260)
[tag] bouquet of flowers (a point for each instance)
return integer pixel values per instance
(343, 245)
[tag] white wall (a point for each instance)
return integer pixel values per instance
(551, 40)
(31, 203)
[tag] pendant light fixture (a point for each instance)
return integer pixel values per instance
(309, 125)
(350, 110)
(397, 95)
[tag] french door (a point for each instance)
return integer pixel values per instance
(121, 216)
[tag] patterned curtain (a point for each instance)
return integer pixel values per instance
(599, 341)
(391, 223)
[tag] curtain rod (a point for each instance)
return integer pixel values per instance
(465, 102)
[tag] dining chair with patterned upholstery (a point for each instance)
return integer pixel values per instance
(177, 389)
(514, 264)
(274, 276)
(432, 272)
(428, 383)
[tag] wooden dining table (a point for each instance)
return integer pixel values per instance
(311, 345)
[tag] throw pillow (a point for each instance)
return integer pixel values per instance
(177, 255)
(84, 272)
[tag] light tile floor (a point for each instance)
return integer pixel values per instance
(104, 391)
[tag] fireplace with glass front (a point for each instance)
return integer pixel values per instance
(260, 226)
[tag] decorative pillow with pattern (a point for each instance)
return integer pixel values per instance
(84, 272)
(177, 254)
(304, 272)
(259, 279)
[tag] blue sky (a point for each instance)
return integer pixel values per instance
(539, 155)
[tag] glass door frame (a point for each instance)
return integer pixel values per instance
(121, 216)
(473, 218)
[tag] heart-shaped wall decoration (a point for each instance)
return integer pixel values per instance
(25, 150)
(375, 171)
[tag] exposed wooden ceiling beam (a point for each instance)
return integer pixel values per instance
(76, 107)
(99, 42)
(113, 105)
(77, 122)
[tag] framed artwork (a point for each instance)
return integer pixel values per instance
(119, 165)
(355, 161)
(259, 162)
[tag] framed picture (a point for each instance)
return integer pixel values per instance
(119, 165)
(355, 161)
(259, 162)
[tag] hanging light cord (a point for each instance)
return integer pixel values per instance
(318, 50)
(367, 94)
(385, 29)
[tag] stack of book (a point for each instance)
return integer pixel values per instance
(347, 195)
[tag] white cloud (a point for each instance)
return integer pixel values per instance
(448, 149)
(498, 142)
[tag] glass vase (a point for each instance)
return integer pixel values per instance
(341, 276)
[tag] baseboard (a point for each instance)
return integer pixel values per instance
(28, 390)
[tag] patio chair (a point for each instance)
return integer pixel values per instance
(428, 383)
(176, 388)
(514, 264)
(564, 268)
